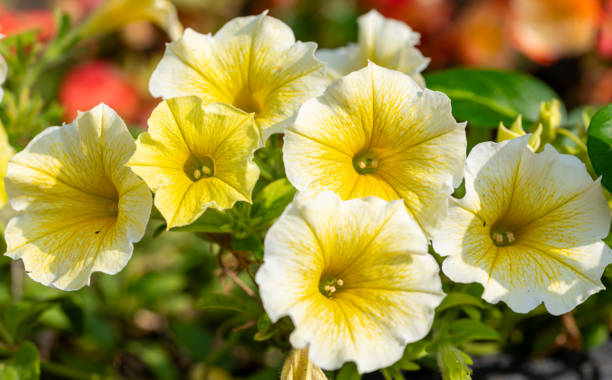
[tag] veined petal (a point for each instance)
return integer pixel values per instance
(298, 367)
(386, 42)
(341, 61)
(81, 208)
(196, 156)
(252, 63)
(354, 277)
(381, 118)
(113, 14)
(529, 228)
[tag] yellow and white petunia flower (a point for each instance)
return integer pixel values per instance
(529, 228)
(252, 63)
(196, 156)
(113, 14)
(376, 132)
(80, 209)
(354, 277)
(298, 367)
(386, 42)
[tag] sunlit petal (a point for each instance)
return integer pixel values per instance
(196, 156)
(354, 276)
(80, 207)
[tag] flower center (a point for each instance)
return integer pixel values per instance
(329, 286)
(365, 162)
(502, 238)
(248, 101)
(198, 168)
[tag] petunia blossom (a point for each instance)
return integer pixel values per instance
(252, 63)
(376, 132)
(79, 208)
(386, 42)
(529, 228)
(196, 156)
(354, 277)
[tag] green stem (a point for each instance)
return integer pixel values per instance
(573, 137)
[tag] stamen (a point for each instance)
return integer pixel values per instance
(502, 238)
(330, 286)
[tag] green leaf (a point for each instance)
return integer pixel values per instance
(454, 299)
(20, 318)
(250, 243)
(270, 203)
(485, 97)
(261, 336)
(24, 365)
(465, 330)
(348, 372)
(73, 310)
(227, 302)
(454, 363)
(599, 144)
(212, 221)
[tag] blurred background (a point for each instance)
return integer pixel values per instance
(144, 323)
(566, 43)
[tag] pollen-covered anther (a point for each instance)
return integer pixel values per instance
(365, 162)
(330, 286)
(501, 239)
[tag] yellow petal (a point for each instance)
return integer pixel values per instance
(408, 134)
(252, 63)
(80, 207)
(113, 14)
(195, 156)
(298, 367)
(386, 42)
(529, 228)
(374, 255)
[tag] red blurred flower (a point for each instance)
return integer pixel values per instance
(13, 22)
(546, 30)
(482, 37)
(425, 16)
(604, 44)
(87, 85)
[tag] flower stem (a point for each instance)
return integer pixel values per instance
(574, 138)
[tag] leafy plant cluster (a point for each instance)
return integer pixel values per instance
(189, 302)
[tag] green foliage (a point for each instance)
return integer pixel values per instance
(454, 299)
(454, 363)
(487, 97)
(599, 144)
(466, 330)
(23, 365)
(348, 372)
(227, 302)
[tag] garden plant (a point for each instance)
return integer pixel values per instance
(294, 212)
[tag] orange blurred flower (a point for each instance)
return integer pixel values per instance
(98, 82)
(13, 22)
(482, 37)
(546, 30)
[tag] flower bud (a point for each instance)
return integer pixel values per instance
(516, 130)
(550, 118)
(298, 367)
